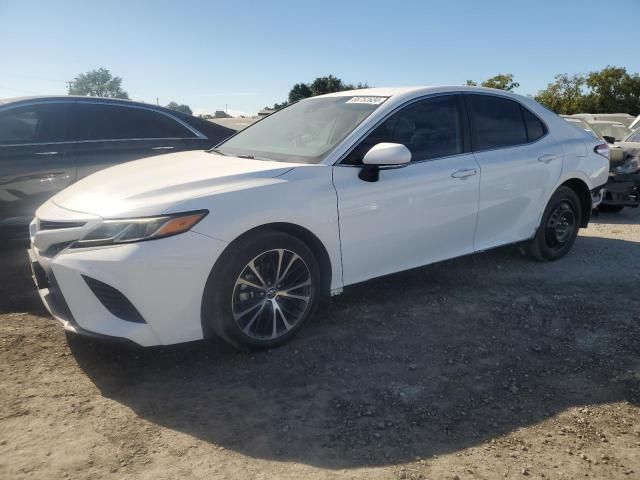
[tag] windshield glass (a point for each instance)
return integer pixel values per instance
(619, 132)
(303, 132)
(634, 137)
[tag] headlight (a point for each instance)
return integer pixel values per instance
(128, 230)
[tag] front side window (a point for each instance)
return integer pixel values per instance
(40, 123)
(304, 132)
(112, 122)
(498, 122)
(429, 128)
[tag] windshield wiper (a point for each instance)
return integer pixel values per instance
(250, 157)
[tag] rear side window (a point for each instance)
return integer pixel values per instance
(535, 127)
(112, 122)
(429, 128)
(40, 123)
(498, 122)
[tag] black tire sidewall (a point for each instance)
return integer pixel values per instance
(542, 249)
(217, 316)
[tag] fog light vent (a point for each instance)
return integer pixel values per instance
(114, 301)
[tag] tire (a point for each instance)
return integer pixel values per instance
(242, 296)
(559, 226)
(610, 208)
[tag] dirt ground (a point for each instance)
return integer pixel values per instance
(488, 366)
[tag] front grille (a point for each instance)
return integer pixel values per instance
(114, 301)
(51, 225)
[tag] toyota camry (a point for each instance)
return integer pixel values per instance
(243, 241)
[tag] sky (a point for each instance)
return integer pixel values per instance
(243, 55)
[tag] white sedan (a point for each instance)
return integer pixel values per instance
(243, 241)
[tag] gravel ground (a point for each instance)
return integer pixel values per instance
(488, 366)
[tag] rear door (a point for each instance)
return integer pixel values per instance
(111, 133)
(520, 162)
(36, 158)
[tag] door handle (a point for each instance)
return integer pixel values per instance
(162, 148)
(464, 173)
(48, 154)
(547, 158)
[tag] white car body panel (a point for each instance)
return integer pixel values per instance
(412, 216)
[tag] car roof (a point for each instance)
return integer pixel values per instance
(82, 98)
(416, 90)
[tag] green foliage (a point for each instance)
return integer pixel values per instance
(610, 90)
(299, 91)
(565, 95)
(179, 108)
(502, 81)
(319, 86)
(97, 83)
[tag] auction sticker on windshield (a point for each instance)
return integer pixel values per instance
(369, 100)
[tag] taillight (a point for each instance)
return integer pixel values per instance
(602, 149)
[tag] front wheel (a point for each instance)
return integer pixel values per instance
(261, 291)
(559, 226)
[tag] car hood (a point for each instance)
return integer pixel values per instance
(152, 185)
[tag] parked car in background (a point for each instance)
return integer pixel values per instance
(580, 123)
(608, 130)
(47, 143)
(244, 240)
(623, 187)
(623, 118)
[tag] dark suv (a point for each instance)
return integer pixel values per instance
(47, 143)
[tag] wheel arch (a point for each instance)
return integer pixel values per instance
(584, 194)
(301, 233)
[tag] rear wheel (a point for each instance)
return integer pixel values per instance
(262, 291)
(559, 226)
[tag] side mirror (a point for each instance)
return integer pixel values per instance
(609, 139)
(383, 156)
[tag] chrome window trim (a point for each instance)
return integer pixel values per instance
(338, 162)
(197, 133)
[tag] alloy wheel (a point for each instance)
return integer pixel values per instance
(271, 295)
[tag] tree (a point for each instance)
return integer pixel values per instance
(97, 83)
(502, 81)
(565, 95)
(319, 86)
(323, 85)
(613, 90)
(179, 108)
(471, 83)
(610, 90)
(299, 91)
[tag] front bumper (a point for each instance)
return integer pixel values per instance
(163, 279)
(623, 190)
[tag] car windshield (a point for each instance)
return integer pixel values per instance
(619, 132)
(304, 132)
(634, 137)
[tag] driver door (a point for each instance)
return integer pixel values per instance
(416, 215)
